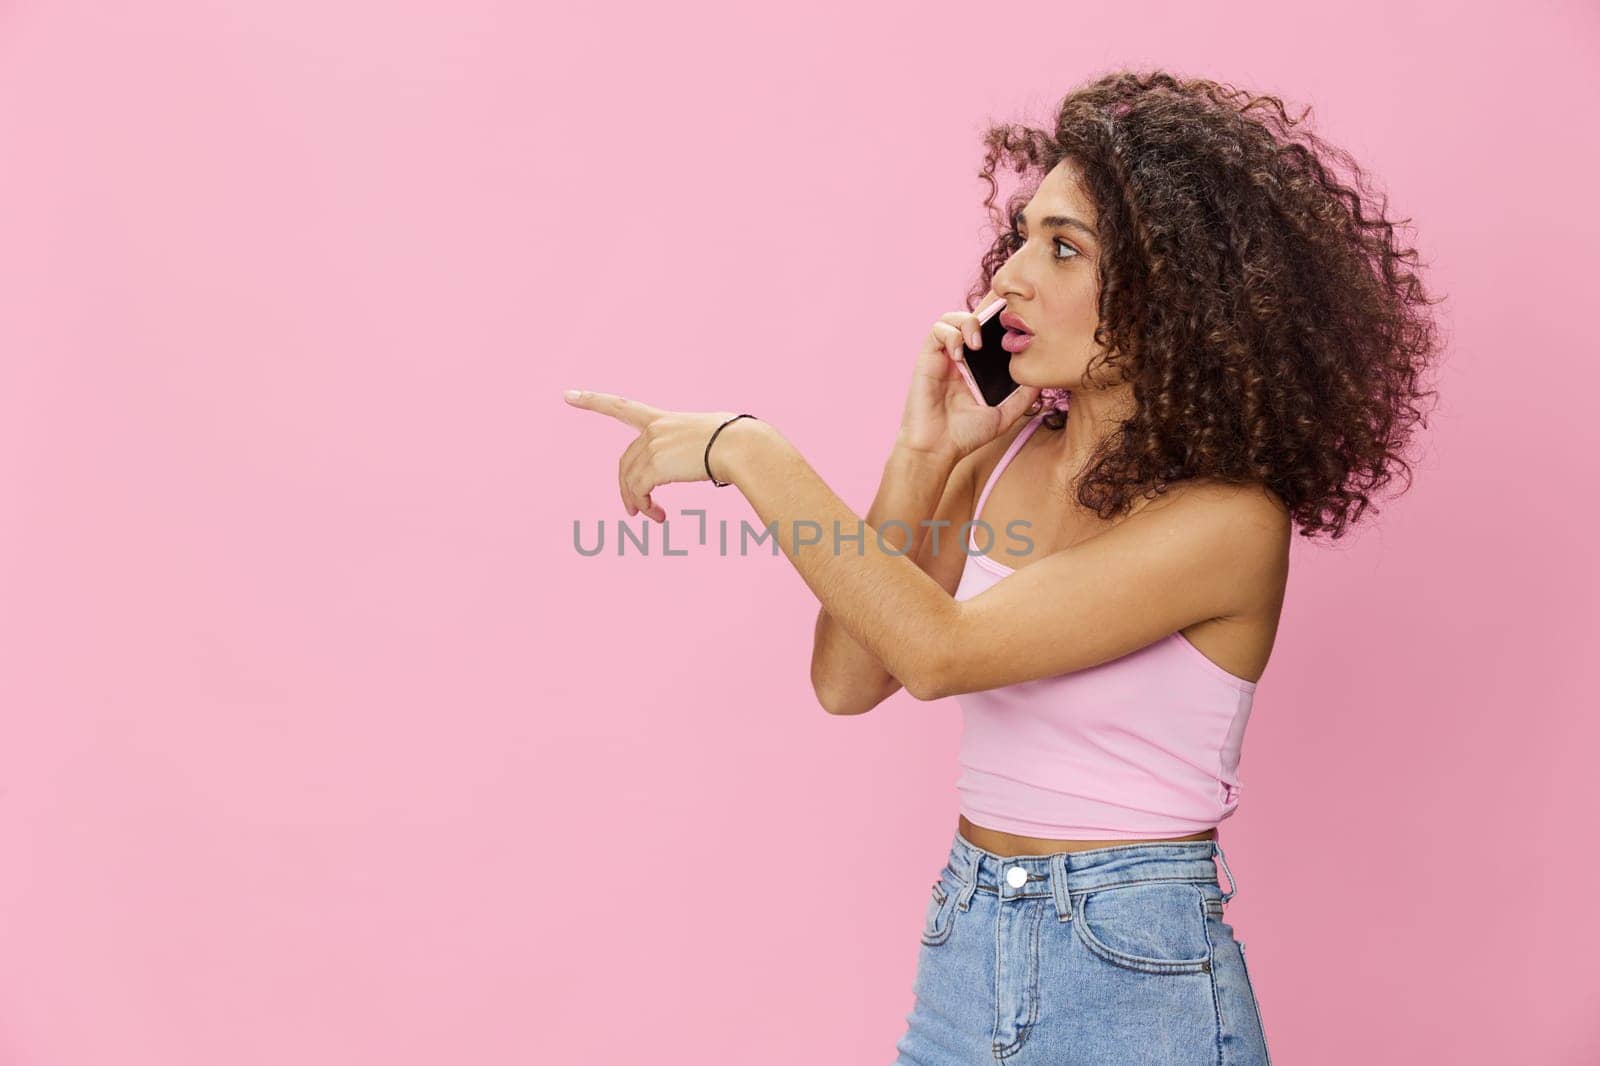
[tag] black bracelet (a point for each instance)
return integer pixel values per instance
(709, 474)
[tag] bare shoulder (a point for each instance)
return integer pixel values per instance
(1248, 502)
(1249, 524)
(1252, 504)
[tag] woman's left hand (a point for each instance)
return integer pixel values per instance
(671, 446)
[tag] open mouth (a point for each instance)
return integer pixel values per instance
(1015, 340)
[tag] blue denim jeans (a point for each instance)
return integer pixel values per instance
(1102, 957)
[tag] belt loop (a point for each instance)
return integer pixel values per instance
(969, 878)
(1233, 886)
(1058, 886)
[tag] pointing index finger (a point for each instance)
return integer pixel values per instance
(621, 408)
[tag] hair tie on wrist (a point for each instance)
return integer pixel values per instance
(719, 429)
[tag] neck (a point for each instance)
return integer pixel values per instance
(1094, 416)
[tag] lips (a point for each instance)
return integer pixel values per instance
(1015, 340)
(1015, 322)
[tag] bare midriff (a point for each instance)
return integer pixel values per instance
(1010, 844)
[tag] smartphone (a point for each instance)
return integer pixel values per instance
(988, 369)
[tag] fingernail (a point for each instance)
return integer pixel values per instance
(573, 394)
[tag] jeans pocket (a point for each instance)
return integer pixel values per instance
(1153, 927)
(940, 916)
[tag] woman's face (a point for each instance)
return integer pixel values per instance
(1052, 282)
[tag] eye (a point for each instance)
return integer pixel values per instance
(1015, 240)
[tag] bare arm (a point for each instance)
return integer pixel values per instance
(921, 490)
(1158, 571)
(878, 595)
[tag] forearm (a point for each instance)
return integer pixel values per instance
(874, 591)
(908, 495)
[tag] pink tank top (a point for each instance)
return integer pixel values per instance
(1146, 745)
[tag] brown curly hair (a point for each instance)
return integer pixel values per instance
(1270, 322)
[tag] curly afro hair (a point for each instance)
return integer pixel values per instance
(1266, 314)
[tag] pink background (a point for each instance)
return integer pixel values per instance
(323, 744)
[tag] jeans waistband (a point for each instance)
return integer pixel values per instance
(1066, 874)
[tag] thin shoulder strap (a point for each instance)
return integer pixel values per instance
(1005, 460)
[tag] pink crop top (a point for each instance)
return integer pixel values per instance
(1146, 745)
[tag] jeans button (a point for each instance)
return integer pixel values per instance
(1016, 877)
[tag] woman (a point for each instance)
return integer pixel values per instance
(1239, 339)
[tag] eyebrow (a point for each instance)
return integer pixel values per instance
(1019, 219)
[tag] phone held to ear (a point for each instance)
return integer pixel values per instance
(988, 369)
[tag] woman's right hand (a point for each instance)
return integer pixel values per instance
(941, 415)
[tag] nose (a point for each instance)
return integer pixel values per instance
(1004, 282)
